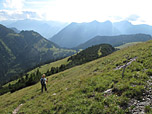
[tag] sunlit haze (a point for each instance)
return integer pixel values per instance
(135, 11)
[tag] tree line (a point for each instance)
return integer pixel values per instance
(82, 57)
(29, 79)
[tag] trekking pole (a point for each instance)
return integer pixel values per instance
(47, 81)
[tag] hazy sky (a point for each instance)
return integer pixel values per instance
(136, 11)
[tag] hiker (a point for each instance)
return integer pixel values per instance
(43, 81)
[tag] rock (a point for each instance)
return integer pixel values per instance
(66, 88)
(147, 100)
(54, 93)
(108, 91)
(143, 103)
(131, 60)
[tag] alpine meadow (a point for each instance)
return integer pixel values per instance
(93, 87)
(75, 57)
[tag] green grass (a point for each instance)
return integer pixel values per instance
(46, 67)
(127, 45)
(80, 89)
(43, 68)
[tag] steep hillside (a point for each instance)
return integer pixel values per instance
(115, 40)
(34, 76)
(94, 87)
(78, 33)
(22, 51)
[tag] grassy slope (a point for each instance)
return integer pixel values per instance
(80, 89)
(44, 68)
(127, 45)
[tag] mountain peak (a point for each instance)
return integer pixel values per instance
(108, 21)
(31, 34)
(95, 21)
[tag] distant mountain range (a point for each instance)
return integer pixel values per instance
(19, 52)
(77, 33)
(74, 34)
(46, 28)
(115, 40)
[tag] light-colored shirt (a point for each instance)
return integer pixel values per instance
(43, 79)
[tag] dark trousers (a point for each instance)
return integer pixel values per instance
(43, 86)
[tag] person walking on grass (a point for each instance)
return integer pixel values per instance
(43, 81)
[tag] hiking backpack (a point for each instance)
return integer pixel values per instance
(42, 81)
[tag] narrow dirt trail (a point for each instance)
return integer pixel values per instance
(131, 60)
(17, 109)
(19, 106)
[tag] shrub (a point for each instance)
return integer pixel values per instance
(148, 109)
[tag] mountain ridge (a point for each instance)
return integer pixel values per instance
(77, 33)
(46, 28)
(80, 32)
(115, 40)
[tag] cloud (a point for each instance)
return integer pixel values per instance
(17, 10)
(78, 10)
(133, 18)
(115, 18)
(18, 15)
(13, 4)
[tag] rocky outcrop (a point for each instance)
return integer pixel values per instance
(138, 106)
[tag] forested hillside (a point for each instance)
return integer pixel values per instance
(23, 51)
(91, 53)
